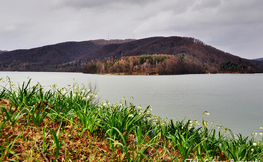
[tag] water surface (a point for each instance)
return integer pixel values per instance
(233, 100)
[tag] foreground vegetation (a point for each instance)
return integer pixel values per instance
(68, 124)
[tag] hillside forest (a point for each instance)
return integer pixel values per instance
(161, 64)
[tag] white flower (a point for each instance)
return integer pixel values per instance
(139, 107)
(131, 116)
(260, 133)
(252, 150)
(74, 95)
(88, 97)
(207, 113)
(104, 104)
(254, 144)
(64, 92)
(96, 96)
(83, 91)
(261, 128)
(190, 122)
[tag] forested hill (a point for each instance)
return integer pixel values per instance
(155, 55)
(165, 55)
(47, 58)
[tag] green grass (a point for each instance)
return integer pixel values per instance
(69, 124)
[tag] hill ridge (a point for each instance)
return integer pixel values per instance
(73, 56)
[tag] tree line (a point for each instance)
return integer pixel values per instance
(145, 65)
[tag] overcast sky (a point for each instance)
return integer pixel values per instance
(234, 26)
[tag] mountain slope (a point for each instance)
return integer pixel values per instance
(39, 58)
(193, 51)
(73, 56)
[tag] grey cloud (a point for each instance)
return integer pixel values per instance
(99, 3)
(226, 24)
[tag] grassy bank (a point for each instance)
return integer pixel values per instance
(69, 124)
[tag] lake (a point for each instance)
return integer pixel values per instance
(233, 100)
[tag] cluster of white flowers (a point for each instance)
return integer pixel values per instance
(254, 134)
(106, 104)
(151, 108)
(5, 79)
(190, 124)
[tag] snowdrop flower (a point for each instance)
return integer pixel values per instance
(88, 97)
(207, 113)
(151, 108)
(96, 96)
(64, 92)
(83, 91)
(190, 122)
(74, 95)
(131, 116)
(260, 133)
(252, 150)
(261, 128)
(104, 104)
(139, 107)
(254, 144)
